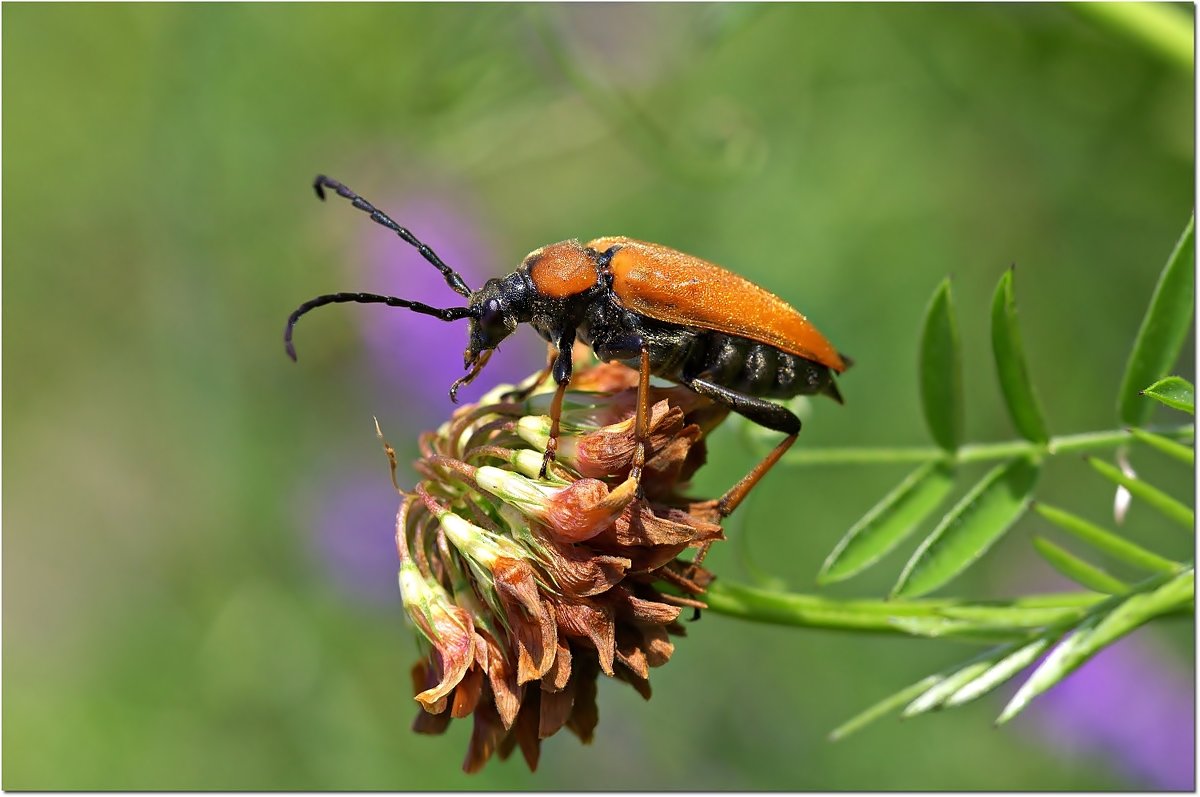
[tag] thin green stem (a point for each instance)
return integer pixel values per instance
(897, 616)
(982, 452)
(1159, 27)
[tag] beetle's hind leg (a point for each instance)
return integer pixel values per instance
(641, 423)
(762, 412)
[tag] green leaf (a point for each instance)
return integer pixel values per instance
(1151, 495)
(888, 522)
(941, 370)
(1163, 331)
(1174, 391)
(1106, 541)
(937, 694)
(1000, 672)
(970, 528)
(1162, 29)
(1083, 573)
(1166, 445)
(885, 706)
(1018, 390)
(1100, 631)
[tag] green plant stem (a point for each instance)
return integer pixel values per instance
(1158, 27)
(812, 611)
(982, 452)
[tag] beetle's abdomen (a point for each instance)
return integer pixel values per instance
(755, 368)
(747, 366)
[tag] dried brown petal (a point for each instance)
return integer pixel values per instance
(630, 606)
(576, 571)
(609, 451)
(502, 677)
(649, 559)
(584, 619)
(630, 653)
(647, 524)
(657, 644)
(454, 651)
(428, 722)
(640, 685)
(584, 714)
(555, 710)
(662, 475)
(557, 677)
(531, 620)
(424, 678)
(586, 507)
(466, 694)
(507, 745)
(431, 724)
(526, 728)
(486, 734)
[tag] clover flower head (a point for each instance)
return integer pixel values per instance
(525, 589)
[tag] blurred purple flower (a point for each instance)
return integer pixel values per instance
(1129, 705)
(351, 517)
(421, 356)
(352, 528)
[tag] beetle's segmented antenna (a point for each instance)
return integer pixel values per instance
(453, 278)
(446, 314)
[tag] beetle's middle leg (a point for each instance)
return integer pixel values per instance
(762, 412)
(561, 369)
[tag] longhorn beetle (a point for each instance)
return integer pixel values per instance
(676, 316)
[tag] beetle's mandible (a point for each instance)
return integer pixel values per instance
(670, 314)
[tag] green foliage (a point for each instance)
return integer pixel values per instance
(1101, 629)
(1164, 329)
(1083, 573)
(1153, 496)
(1105, 541)
(1166, 445)
(941, 370)
(889, 522)
(968, 530)
(1018, 390)
(1175, 392)
(1072, 629)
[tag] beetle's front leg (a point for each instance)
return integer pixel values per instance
(562, 377)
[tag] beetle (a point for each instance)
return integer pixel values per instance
(672, 314)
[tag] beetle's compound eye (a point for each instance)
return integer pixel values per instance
(492, 318)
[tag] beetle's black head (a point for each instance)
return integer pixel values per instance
(495, 311)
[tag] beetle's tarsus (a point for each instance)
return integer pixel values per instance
(547, 457)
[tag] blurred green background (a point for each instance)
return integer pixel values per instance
(198, 575)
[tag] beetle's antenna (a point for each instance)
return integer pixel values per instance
(453, 278)
(447, 314)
